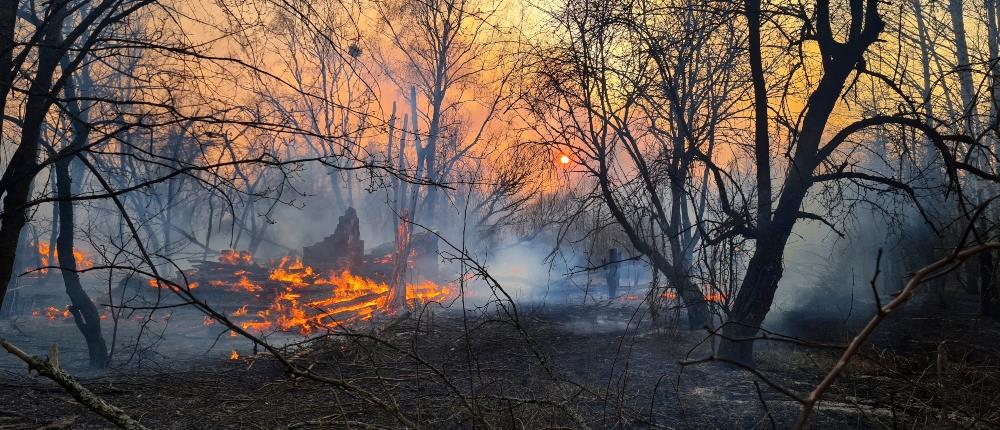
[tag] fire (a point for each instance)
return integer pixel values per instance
(294, 297)
(247, 285)
(350, 297)
(241, 312)
(426, 292)
(82, 261)
(242, 284)
(234, 356)
(53, 313)
(207, 321)
(715, 297)
(293, 272)
(232, 256)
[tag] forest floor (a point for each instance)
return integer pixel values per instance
(559, 366)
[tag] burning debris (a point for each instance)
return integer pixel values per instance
(332, 283)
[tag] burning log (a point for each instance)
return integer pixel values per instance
(235, 272)
(333, 283)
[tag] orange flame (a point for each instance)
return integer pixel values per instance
(351, 298)
(82, 261)
(715, 297)
(242, 311)
(232, 256)
(53, 313)
(293, 273)
(234, 356)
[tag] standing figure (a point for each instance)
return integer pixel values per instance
(611, 272)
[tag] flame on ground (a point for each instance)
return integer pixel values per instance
(306, 301)
(350, 297)
(234, 356)
(292, 272)
(715, 297)
(53, 313)
(232, 256)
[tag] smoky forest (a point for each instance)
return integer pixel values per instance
(499, 214)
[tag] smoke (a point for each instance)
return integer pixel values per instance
(524, 271)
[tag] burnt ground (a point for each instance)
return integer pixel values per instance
(562, 366)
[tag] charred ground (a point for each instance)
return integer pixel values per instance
(554, 366)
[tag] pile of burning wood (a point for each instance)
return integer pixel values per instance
(333, 282)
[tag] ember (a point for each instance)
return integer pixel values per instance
(53, 313)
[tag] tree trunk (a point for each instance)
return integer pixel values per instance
(22, 167)
(85, 313)
(8, 14)
(753, 300)
(966, 85)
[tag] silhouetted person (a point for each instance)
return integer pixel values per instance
(611, 272)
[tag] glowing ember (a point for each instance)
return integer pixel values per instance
(53, 313)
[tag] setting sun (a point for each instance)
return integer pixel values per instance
(564, 159)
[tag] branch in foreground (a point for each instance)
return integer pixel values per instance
(918, 278)
(50, 369)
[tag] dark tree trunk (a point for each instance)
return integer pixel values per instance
(23, 165)
(988, 294)
(752, 302)
(8, 14)
(765, 268)
(85, 313)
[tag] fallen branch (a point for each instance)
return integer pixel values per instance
(809, 403)
(49, 368)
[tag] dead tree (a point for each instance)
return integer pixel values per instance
(641, 125)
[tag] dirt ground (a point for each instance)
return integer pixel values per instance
(558, 366)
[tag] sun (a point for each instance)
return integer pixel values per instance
(564, 159)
